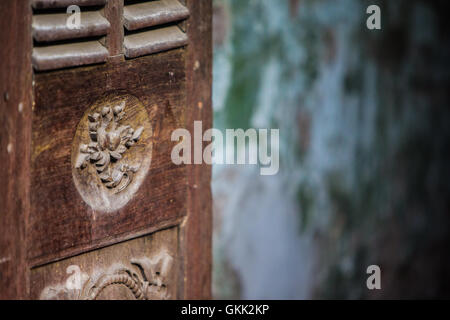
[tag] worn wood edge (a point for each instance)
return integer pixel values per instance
(53, 27)
(104, 242)
(154, 41)
(148, 14)
(114, 40)
(182, 258)
(47, 4)
(196, 234)
(68, 55)
(15, 154)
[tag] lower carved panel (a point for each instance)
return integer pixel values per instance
(142, 269)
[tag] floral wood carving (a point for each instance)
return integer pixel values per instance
(144, 279)
(111, 151)
(109, 140)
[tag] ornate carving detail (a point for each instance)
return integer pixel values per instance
(145, 283)
(111, 151)
(145, 279)
(109, 140)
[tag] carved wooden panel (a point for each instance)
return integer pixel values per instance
(89, 181)
(144, 269)
(76, 112)
(112, 151)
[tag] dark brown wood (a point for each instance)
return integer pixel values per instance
(15, 148)
(61, 223)
(114, 40)
(197, 230)
(152, 13)
(48, 120)
(103, 274)
(53, 27)
(45, 4)
(154, 41)
(68, 55)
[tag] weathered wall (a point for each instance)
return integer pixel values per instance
(365, 128)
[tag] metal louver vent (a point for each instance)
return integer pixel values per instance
(56, 45)
(152, 26)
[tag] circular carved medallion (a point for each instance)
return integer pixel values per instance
(111, 152)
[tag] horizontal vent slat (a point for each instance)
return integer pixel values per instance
(152, 13)
(151, 26)
(47, 4)
(153, 41)
(68, 55)
(52, 27)
(58, 46)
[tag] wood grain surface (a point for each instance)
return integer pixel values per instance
(44, 221)
(75, 277)
(197, 232)
(61, 223)
(15, 148)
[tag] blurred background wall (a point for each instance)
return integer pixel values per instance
(364, 128)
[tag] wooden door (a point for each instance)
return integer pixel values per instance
(92, 207)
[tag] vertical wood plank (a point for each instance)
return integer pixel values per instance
(196, 234)
(15, 136)
(114, 39)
